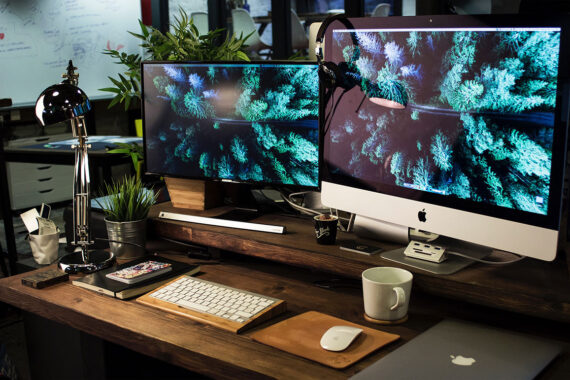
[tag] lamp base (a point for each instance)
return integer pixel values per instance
(73, 263)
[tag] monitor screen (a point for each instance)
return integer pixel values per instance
(250, 122)
(454, 121)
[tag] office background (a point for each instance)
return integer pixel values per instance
(21, 122)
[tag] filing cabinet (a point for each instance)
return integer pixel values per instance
(32, 184)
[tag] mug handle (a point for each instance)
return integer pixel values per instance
(400, 298)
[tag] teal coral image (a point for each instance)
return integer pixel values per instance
(244, 122)
(479, 118)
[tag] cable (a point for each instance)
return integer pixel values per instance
(335, 283)
(518, 258)
(199, 251)
(182, 243)
(298, 207)
(121, 242)
(274, 202)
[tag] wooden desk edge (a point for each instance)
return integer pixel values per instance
(67, 310)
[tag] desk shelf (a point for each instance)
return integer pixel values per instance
(530, 287)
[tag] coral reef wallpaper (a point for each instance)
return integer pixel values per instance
(478, 120)
(247, 122)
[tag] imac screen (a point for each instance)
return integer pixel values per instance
(455, 125)
(236, 121)
(449, 115)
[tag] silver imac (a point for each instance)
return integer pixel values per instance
(456, 125)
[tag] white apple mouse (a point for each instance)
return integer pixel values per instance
(338, 338)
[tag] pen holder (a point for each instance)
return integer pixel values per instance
(44, 247)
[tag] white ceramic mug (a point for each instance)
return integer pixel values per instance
(386, 292)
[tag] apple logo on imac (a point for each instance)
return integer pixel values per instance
(422, 215)
(461, 360)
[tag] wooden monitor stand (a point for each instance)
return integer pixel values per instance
(194, 194)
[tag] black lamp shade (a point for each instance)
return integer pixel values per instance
(61, 102)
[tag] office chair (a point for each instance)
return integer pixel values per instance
(472, 7)
(313, 30)
(381, 10)
(201, 22)
(243, 24)
(299, 40)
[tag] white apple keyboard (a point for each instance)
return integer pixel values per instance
(223, 222)
(215, 304)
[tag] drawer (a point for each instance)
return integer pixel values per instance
(38, 140)
(48, 191)
(24, 173)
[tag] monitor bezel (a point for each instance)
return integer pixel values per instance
(419, 200)
(251, 183)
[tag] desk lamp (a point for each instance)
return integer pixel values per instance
(59, 103)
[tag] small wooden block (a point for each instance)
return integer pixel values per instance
(45, 278)
(194, 194)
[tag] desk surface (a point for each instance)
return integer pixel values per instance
(530, 287)
(60, 152)
(220, 354)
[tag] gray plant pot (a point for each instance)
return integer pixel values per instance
(128, 232)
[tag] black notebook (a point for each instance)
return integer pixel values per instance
(99, 281)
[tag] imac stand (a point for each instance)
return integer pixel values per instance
(380, 230)
(451, 265)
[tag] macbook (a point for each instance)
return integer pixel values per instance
(461, 350)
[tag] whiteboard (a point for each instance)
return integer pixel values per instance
(189, 6)
(39, 37)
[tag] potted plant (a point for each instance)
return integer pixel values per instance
(183, 43)
(126, 204)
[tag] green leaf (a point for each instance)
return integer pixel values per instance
(144, 29)
(139, 36)
(118, 150)
(241, 55)
(115, 82)
(127, 102)
(111, 89)
(115, 101)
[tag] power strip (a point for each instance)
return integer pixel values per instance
(424, 251)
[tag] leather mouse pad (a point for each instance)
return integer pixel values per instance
(301, 335)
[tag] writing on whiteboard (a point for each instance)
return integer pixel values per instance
(39, 37)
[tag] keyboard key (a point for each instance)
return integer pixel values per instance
(192, 305)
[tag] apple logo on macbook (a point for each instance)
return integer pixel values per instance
(422, 215)
(461, 360)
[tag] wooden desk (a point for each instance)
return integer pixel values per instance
(530, 287)
(220, 354)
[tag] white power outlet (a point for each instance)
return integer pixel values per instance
(424, 251)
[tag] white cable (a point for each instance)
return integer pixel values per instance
(518, 258)
(298, 207)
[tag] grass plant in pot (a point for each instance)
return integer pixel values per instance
(126, 203)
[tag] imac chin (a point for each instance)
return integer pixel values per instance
(477, 151)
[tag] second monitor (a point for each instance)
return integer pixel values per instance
(246, 122)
